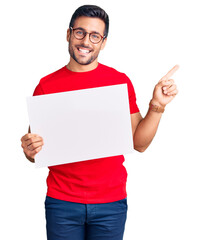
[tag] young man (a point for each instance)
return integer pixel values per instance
(87, 200)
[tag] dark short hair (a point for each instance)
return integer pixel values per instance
(91, 11)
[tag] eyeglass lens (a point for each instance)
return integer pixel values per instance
(80, 34)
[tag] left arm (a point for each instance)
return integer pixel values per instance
(144, 129)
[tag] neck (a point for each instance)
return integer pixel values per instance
(76, 67)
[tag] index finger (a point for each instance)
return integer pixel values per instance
(170, 73)
(28, 136)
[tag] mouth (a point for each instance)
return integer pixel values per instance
(84, 51)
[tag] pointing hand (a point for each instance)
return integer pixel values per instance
(166, 89)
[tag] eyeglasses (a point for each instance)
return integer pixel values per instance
(80, 34)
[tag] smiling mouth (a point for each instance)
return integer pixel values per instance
(83, 50)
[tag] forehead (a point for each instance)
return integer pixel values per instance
(90, 24)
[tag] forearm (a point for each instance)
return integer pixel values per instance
(146, 130)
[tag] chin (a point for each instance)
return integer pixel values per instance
(84, 62)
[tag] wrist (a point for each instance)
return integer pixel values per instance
(156, 106)
(156, 102)
(29, 158)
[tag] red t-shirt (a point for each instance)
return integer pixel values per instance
(94, 181)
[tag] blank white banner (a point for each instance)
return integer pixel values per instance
(81, 125)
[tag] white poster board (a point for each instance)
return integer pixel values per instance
(81, 125)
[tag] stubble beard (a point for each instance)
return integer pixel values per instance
(81, 62)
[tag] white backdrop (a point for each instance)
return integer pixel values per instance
(146, 39)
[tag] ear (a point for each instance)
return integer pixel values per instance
(103, 43)
(68, 35)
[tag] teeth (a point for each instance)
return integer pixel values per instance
(83, 50)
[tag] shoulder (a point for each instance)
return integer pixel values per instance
(54, 75)
(113, 72)
(48, 81)
(109, 69)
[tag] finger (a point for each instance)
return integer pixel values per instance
(166, 83)
(33, 140)
(33, 146)
(170, 73)
(32, 153)
(173, 93)
(28, 136)
(169, 89)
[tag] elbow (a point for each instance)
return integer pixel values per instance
(140, 145)
(141, 150)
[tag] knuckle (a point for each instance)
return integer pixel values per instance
(36, 150)
(30, 135)
(158, 86)
(30, 148)
(23, 137)
(34, 145)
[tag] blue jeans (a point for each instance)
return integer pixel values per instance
(76, 221)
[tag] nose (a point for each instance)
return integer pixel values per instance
(86, 39)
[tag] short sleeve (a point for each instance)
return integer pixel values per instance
(132, 97)
(38, 90)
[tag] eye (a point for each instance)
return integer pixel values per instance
(79, 32)
(95, 36)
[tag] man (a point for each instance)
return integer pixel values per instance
(87, 200)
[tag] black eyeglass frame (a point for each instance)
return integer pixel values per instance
(85, 33)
